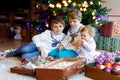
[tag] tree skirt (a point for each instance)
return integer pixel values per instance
(7, 63)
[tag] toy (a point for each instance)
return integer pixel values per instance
(18, 33)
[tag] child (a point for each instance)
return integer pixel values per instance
(88, 47)
(67, 49)
(43, 43)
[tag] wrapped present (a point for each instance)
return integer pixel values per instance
(108, 44)
(111, 30)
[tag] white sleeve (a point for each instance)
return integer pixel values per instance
(39, 39)
(89, 46)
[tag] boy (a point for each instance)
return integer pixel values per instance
(42, 43)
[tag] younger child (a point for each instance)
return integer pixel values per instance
(88, 47)
(42, 43)
(67, 48)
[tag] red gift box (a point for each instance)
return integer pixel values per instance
(111, 30)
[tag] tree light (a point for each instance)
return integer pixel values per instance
(58, 5)
(81, 9)
(69, 1)
(65, 4)
(84, 9)
(64, 1)
(94, 17)
(91, 2)
(74, 3)
(51, 5)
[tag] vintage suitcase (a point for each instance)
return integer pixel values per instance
(22, 71)
(60, 69)
(29, 68)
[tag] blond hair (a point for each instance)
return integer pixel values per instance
(91, 30)
(58, 20)
(75, 14)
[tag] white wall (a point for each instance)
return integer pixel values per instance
(114, 5)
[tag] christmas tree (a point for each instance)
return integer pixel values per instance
(92, 11)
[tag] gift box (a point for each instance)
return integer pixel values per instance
(112, 18)
(97, 74)
(108, 44)
(60, 69)
(111, 30)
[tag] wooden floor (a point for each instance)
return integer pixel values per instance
(6, 43)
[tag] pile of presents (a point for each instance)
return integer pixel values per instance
(109, 38)
(107, 65)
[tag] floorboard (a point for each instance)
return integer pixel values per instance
(6, 43)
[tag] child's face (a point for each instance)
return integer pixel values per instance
(57, 28)
(85, 35)
(74, 22)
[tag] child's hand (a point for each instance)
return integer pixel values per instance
(43, 54)
(83, 40)
(60, 47)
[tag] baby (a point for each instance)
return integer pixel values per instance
(87, 46)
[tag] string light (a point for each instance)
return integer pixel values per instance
(79, 5)
(64, 1)
(84, 6)
(58, 5)
(51, 5)
(55, 14)
(96, 22)
(99, 2)
(74, 3)
(84, 9)
(100, 24)
(66, 4)
(81, 9)
(94, 17)
(91, 2)
(69, 1)
(98, 18)
(94, 12)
